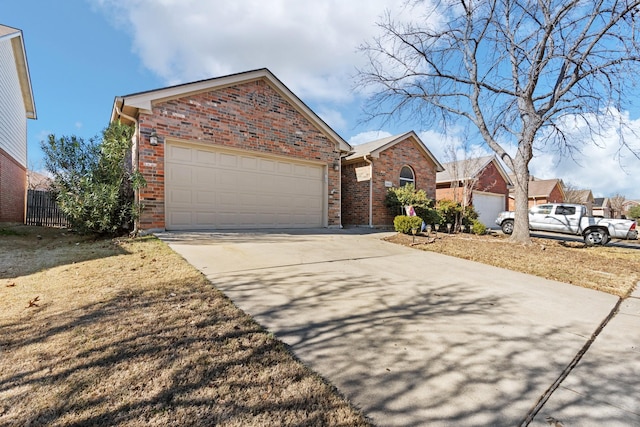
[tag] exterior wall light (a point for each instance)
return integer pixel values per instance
(336, 166)
(153, 137)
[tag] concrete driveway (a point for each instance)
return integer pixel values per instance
(417, 338)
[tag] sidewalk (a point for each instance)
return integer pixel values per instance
(604, 387)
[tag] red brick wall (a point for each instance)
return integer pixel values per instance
(491, 181)
(13, 187)
(554, 197)
(355, 196)
(385, 168)
(250, 116)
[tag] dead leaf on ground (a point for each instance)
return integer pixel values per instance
(33, 302)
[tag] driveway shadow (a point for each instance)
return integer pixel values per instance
(412, 350)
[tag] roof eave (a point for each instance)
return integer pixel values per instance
(22, 67)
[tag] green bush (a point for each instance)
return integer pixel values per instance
(404, 223)
(397, 198)
(634, 212)
(477, 227)
(452, 212)
(93, 181)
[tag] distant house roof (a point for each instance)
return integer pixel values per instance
(374, 148)
(469, 169)
(20, 55)
(579, 196)
(601, 202)
(128, 106)
(543, 188)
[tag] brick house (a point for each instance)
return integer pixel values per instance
(17, 106)
(372, 168)
(583, 197)
(482, 180)
(602, 207)
(541, 191)
(234, 152)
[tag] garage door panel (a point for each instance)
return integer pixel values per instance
(180, 176)
(488, 206)
(248, 163)
(180, 197)
(179, 154)
(180, 218)
(216, 188)
(267, 165)
(205, 157)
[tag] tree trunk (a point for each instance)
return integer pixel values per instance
(521, 220)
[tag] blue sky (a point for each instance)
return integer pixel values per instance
(83, 53)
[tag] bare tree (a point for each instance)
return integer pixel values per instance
(464, 174)
(518, 71)
(617, 205)
(572, 193)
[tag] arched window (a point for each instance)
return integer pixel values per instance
(407, 176)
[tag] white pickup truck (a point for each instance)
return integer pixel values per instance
(569, 218)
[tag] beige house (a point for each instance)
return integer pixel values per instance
(541, 191)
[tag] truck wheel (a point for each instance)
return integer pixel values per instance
(507, 226)
(596, 237)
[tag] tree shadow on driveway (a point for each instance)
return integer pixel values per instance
(411, 347)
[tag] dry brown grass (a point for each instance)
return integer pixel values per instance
(125, 332)
(610, 269)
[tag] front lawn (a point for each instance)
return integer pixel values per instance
(125, 332)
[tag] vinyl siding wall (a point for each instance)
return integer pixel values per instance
(13, 122)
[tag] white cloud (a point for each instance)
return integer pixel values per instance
(602, 166)
(332, 117)
(310, 46)
(368, 136)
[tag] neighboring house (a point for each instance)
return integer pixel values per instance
(583, 197)
(234, 152)
(372, 168)
(540, 191)
(38, 181)
(483, 181)
(627, 205)
(602, 207)
(16, 106)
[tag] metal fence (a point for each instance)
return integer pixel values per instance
(43, 211)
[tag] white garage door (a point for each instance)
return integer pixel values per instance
(209, 188)
(488, 206)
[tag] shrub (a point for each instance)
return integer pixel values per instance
(477, 227)
(92, 180)
(404, 223)
(634, 212)
(397, 198)
(452, 212)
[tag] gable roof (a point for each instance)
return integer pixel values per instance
(470, 168)
(601, 202)
(579, 196)
(543, 187)
(22, 67)
(374, 148)
(128, 106)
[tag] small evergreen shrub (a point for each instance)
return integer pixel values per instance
(478, 228)
(404, 223)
